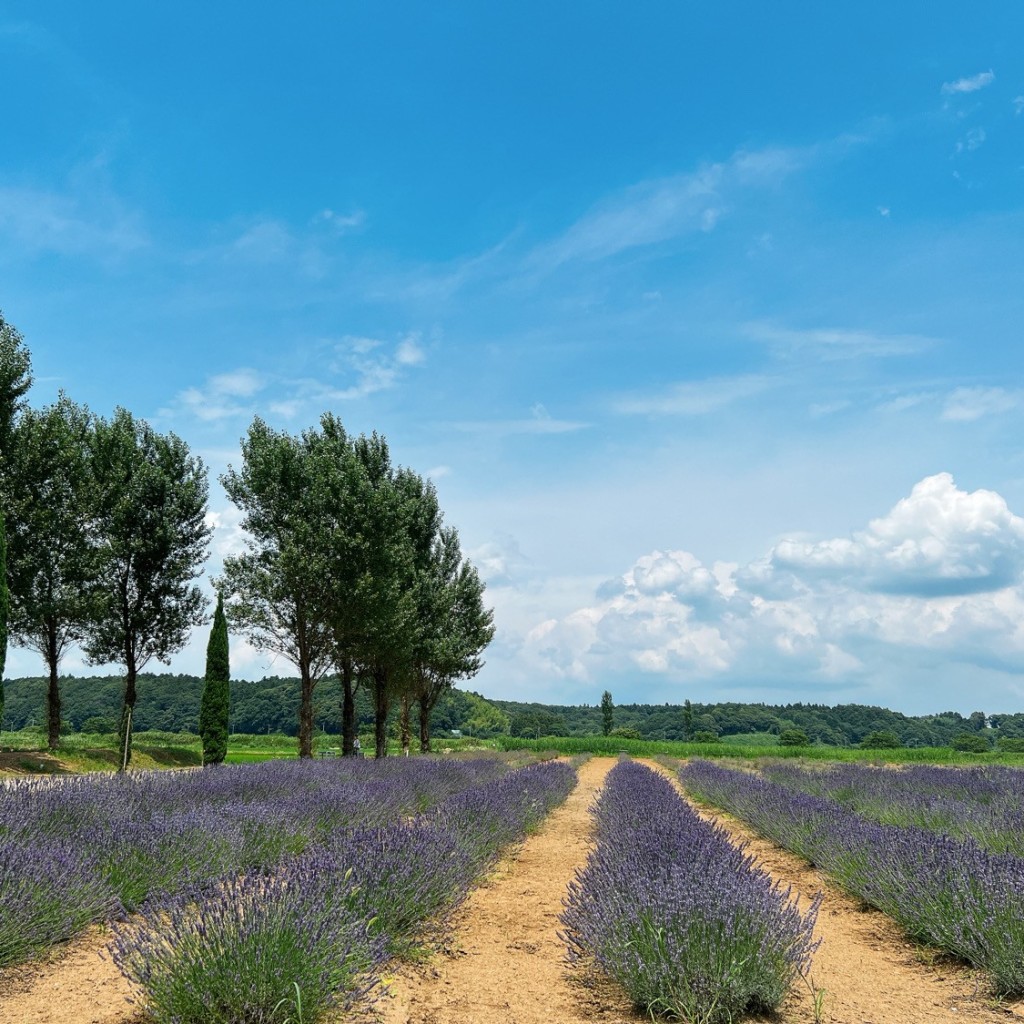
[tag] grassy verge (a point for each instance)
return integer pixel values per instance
(613, 746)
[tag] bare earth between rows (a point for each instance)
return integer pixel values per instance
(505, 962)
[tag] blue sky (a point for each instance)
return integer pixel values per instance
(705, 319)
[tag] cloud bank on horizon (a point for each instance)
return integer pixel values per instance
(940, 577)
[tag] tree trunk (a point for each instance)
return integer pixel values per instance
(127, 711)
(53, 689)
(348, 711)
(306, 714)
(424, 726)
(404, 725)
(381, 708)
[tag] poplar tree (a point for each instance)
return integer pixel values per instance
(215, 707)
(3, 609)
(275, 583)
(152, 536)
(15, 381)
(52, 558)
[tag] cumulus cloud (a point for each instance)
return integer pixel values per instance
(970, 84)
(940, 574)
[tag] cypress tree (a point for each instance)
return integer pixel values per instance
(215, 706)
(607, 713)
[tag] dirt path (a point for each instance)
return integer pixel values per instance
(79, 985)
(869, 972)
(508, 964)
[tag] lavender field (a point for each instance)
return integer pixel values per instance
(944, 886)
(252, 893)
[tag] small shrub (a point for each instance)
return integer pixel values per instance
(794, 738)
(970, 743)
(881, 739)
(705, 736)
(625, 732)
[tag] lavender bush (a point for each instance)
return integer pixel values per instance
(314, 928)
(948, 892)
(677, 914)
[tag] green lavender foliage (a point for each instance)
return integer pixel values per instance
(216, 703)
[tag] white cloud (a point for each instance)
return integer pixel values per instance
(658, 210)
(940, 575)
(835, 342)
(695, 398)
(94, 224)
(1018, 105)
(967, 404)
(342, 224)
(971, 84)
(220, 397)
(539, 422)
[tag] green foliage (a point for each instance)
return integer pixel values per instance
(1014, 745)
(607, 713)
(537, 722)
(215, 708)
(149, 519)
(624, 732)
(881, 739)
(52, 557)
(793, 738)
(15, 378)
(705, 736)
(971, 743)
(4, 608)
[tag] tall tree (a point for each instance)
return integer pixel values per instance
(215, 707)
(4, 607)
(152, 535)
(275, 583)
(383, 599)
(51, 558)
(453, 626)
(607, 713)
(15, 379)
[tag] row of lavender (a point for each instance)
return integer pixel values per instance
(678, 915)
(291, 944)
(82, 850)
(947, 892)
(985, 803)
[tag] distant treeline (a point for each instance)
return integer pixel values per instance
(844, 725)
(171, 703)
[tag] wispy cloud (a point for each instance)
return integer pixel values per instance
(341, 223)
(221, 397)
(972, 403)
(835, 342)
(539, 422)
(695, 398)
(95, 225)
(1018, 105)
(660, 209)
(970, 84)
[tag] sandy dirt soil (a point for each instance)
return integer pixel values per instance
(504, 962)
